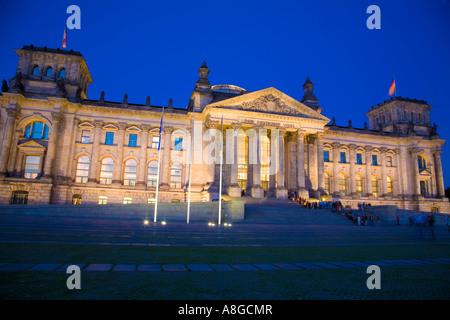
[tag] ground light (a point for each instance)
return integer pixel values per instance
(211, 224)
(163, 223)
(146, 222)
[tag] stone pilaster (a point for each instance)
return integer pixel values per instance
(257, 190)
(12, 116)
(368, 158)
(320, 164)
(336, 146)
(301, 186)
(95, 164)
(166, 158)
(439, 174)
(281, 191)
(51, 149)
(383, 180)
(143, 157)
(352, 159)
(118, 167)
(233, 189)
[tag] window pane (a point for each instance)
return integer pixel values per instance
(358, 158)
(82, 174)
(62, 73)
(38, 128)
(45, 135)
(342, 157)
(36, 71)
(31, 167)
(175, 175)
(133, 140)
(106, 172)
(109, 138)
(374, 160)
(49, 72)
(178, 144)
(85, 136)
(326, 156)
(27, 131)
(155, 142)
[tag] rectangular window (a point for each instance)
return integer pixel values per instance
(358, 158)
(32, 167)
(343, 157)
(133, 140)
(155, 142)
(326, 156)
(85, 136)
(102, 200)
(45, 135)
(109, 141)
(178, 144)
(374, 160)
(389, 161)
(127, 200)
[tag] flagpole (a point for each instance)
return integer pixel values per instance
(221, 164)
(159, 166)
(190, 170)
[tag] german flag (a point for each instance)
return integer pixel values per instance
(64, 37)
(392, 88)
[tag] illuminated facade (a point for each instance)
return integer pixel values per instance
(60, 147)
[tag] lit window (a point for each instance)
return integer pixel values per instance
(49, 72)
(127, 200)
(152, 173)
(19, 197)
(130, 173)
(390, 189)
(343, 157)
(375, 186)
(359, 185)
(155, 142)
(109, 141)
(358, 158)
(342, 185)
(76, 199)
(175, 175)
(102, 200)
(242, 160)
(326, 156)
(265, 156)
(374, 160)
(178, 144)
(85, 136)
(422, 162)
(32, 167)
(106, 172)
(82, 174)
(133, 140)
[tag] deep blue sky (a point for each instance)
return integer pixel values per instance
(155, 48)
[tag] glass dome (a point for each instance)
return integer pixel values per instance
(227, 88)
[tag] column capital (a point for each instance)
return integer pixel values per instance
(145, 127)
(58, 117)
(300, 134)
(320, 135)
(98, 124)
(436, 152)
(236, 125)
(12, 113)
(167, 130)
(336, 145)
(383, 150)
(122, 126)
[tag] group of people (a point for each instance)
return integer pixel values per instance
(363, 205)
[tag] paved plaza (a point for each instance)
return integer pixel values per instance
(280, 251)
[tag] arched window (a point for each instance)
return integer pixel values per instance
(106, 172)
(359, 185)
(49, 72)
(390, 189)
(83, 165)
(152, 173)
(35, 71)
(62, 73)
(129, 176)
(36, 130)
(342, 184)
(175, 175)
(327, 183)
(375, 185)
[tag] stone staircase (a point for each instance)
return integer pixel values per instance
(272, 211)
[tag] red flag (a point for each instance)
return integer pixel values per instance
(64, 37)
(392, 88)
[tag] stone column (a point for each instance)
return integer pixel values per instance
(352, 159)
(439, 174)
(13, 151)
(233, 139)
(301, 186)
(415, 165)
(336, 146)
(19, 165)
(320, 164)
(118, 167)
(383, 181)
(95, 165)
(51, 149)
(142, 172)
(257, 190)
(62, 153)
(12, 115)
(281, 191)
(397, 184)
(166, 158)
(368, 159)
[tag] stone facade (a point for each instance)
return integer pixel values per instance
(58, 147)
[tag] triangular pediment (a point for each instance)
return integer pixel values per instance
(271, 101)
(31, 144)
(86, 125)
(134, 128)
(110, 126)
